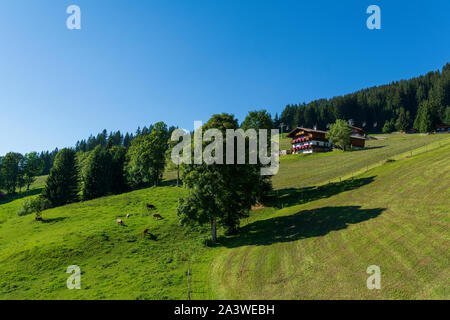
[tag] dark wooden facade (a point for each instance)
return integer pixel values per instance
(309, 141)
(306, 140)
(443, 128)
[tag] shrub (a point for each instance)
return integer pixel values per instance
(36, 205)
(25, 209)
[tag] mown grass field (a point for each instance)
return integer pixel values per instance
(310, 243)
(395, 216)
(321, 167)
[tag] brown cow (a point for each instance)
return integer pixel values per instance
(157, 215)
(151, 207)
(145, 232)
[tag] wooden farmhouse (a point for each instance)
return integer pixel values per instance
(443, 128)
(306, 140)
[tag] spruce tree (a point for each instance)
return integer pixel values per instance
(425, 119)
(62, 183)
(117, 156)
(403, 120)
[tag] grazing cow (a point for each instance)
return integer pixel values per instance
(147, 233)
(119, 221)
(151, 207)
(128, 216)
(157, 215)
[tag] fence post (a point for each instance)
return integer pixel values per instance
(189, 281)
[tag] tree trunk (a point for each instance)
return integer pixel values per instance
(213, 230)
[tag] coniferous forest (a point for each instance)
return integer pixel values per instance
(419, 103)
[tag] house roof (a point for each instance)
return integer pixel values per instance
(358, 129)
(356, 137)
(290, 134)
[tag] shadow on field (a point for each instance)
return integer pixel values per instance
(304, 224)
(168, 183)
(53, 220)
(12, 197)
(365, 148)
(290, 197)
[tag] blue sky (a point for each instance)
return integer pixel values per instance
(137, 62)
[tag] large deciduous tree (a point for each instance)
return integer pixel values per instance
(339, 134)
(10, 171)
(146, 157)
(96, 174)
(32, 166)
(218, 194)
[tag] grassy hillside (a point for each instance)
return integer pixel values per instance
(320, 245)
(116, 261)
(310, 243)
(320, 168)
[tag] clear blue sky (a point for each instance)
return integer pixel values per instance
(137, 62)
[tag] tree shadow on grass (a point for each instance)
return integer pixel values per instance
(169, 183)
(12, 197)
(53, 220)
(291, 196)
(304, 224)
(365, 148)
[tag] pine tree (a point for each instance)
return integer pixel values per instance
(62, 183)
(118, 182)
(425, 121)
(403, 120)
(389, 126)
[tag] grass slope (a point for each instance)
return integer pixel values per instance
(116, 261)
(313, 242)
(320, 168)
(395, 216)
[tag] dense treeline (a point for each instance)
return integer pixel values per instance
(420, 103)
(18, 171)
(114, 138)
(109, 168)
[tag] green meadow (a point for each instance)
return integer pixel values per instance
(330, 216)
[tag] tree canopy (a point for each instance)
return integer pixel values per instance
(339, 134)
(63, 181)
(219, 194)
